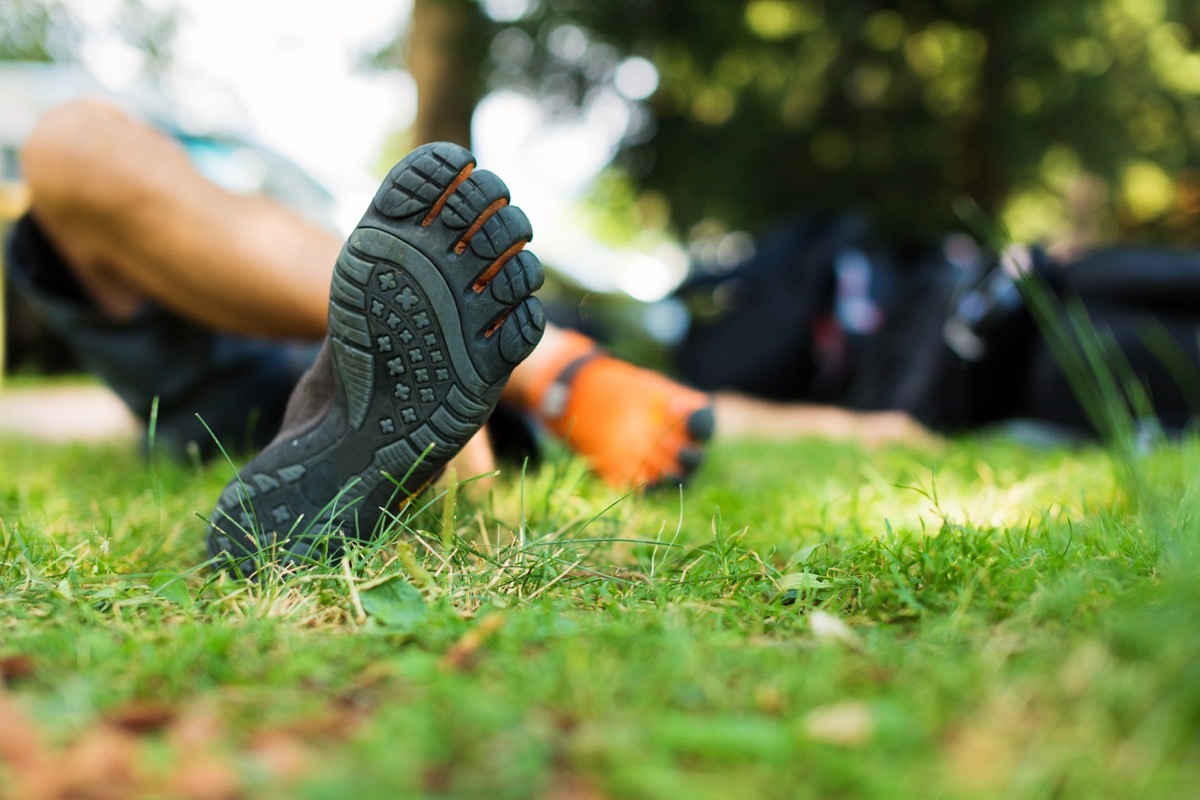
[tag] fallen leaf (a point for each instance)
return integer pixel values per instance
(205, 778)
(15, 667)
(847, 724)
(102, 764)
(20, 745)
(142, 718)
(828, 628)
(395, 604)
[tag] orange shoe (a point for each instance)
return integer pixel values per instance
(635, 427)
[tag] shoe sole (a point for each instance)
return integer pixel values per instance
(430, 310)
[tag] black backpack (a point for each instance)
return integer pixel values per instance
(953, 342)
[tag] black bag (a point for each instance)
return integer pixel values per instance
(823, 313)
(753, 326)
(944, 337)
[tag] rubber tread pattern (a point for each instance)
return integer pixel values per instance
(419, 360)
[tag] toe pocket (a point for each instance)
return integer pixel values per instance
(520, 277)
(505, 230)
(521, 330)
(422, 180)
(474, 200)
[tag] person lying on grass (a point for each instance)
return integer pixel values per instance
(209, 308)
(206, 310)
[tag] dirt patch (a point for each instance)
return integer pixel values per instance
(65, 414)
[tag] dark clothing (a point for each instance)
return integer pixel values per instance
(237, 386)
(821, 313)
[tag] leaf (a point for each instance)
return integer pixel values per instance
(395, 604)
(15, 666)
(803, 580)
(804, 554)
(171, 586)
(63, 590)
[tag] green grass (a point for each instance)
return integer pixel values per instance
(805, 620)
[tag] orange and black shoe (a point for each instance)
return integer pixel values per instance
(635, 427)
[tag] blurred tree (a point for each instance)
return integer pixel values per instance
(1054, 117)
(50, 30)
(37, 30)
(150, 31)
(444, 51)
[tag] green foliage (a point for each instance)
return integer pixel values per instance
(1057, 118)
(37, 30)
(50, 30)
(149, 30)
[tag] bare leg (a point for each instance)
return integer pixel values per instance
(742, 417)
(135, 220)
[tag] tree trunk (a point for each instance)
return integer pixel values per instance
(446, 50)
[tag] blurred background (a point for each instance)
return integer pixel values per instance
(647, 139)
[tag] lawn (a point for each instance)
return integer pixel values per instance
(983, 619)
